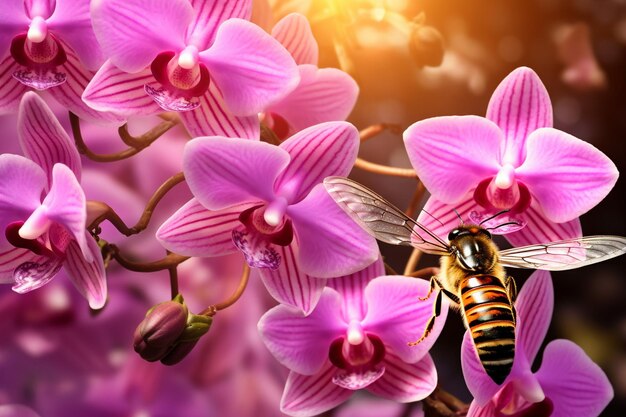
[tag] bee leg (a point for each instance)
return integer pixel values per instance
(451, 296)
(431, 322)
(433, 283)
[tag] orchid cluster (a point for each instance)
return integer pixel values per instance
(242, 117)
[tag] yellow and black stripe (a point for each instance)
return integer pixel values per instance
(489, 316)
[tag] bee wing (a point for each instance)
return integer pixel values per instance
(382, 219)
(564, 254)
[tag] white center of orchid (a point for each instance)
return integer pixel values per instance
(275, 211)
(37, 224)
(188, 58)
(38, 30)
(355, 334)
(528, 387)
(506, 177)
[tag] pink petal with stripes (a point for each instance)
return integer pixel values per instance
(224, 171)
(132, 33)
(114, 90)
(318, 152)
(566, 175)
(452, 154)
(441, 219)
(209, 15)
(13, 20)
(405, 382)
(519, 105)
(323, 95)
(11, 258)
(574, 384)
(534, 307)
(489, 410)
(302, 343)
(539, 229)
(352, 287)
(195, 231)
(294, 33)
(42, 137)
(250, 68)
(88, 277)
(307, 396)
(71, 22)
(398, 317)
(70, 92)
(11, 90)
(214, 118)
(331, 244)
(65, 204)
(289, 284)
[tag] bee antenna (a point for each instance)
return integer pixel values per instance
(494, 216)
(433, 217)
(503, 224)
(459, 216)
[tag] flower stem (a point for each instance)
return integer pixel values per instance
(173, 270)
(443, 404)
(243, 283)
(384, 169)
(425, 273)
(412, 262)
(170, 260)
(420, 190)
(374, 130)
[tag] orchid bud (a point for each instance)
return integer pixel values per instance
(158, 332)
(197, 326)
(426, 46)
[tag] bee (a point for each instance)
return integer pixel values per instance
(472, 267)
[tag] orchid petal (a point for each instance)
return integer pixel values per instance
(87, 273)
(251, 69)
(71, 21)
(302, 343)
(331, 244)
(442, 147)
(65, 204)
(212, 117)
(351, 288)
(43, 8)
(294, 33)
(316, 153)
(209, 15)
(114, 90)
(11, 258)
(224, 171)
(132, 33)
(307, 396)
(322, 95)
(32, 275)
(440, 218)
(11, 90)
(406, 321)
(479, 384)
(534, 307)
(195, 231)
(405, 382)
(539, 229)
(21, 184)
(519, 105)
(475, 410)
(566, 175)
(13, 20)
(288, 284)
(574, 384)
(42, 137)
(70, 92)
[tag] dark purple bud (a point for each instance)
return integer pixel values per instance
(159, 331)
(426, 46)
(197, 326)
(180, 351)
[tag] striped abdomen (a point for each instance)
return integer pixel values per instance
(489, 316)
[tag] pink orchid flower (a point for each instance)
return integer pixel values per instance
(568, 383)
(356, 338)
(39, 237)
(322, 95)
(269, 202)
(48, 45)
(198, 57)
(512, 160)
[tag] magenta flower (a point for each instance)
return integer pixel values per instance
(270, 202)
(322, 95)
(512, 160)
(48, 45)
(39, 237)
(199, 58)
(568, 383)
(356, 338)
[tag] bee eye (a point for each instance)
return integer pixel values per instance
(453, 234)
(486, 233)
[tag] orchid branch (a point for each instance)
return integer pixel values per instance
(424, 273)
(150, 136)
(384, 169)
(243, 283)
(167, 262)
(374, 130)
(443, 404)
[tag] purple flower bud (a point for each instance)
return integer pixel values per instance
(426, 46)
(159, 331)
(197, 326)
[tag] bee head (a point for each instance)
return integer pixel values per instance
(474, 251)
(468, 230)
